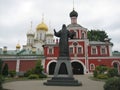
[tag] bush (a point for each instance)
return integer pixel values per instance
(112, 72)
(29, 72)
(33, 76)
(102, 76)
(101, 69)
(42, 76)
(112, 84)
(95, 73)
(12, 73)
(1, 80)
(5, 70)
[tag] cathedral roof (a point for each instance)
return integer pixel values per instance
(73, 13)
(18, 46)
(30, 32)
(42, 26)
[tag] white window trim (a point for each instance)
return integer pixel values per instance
(93, 66)
(81, 49)
(49, 49)
(73, 50)
(103, 47)
(94, 47)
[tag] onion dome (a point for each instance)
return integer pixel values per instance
(18, 46)
(42, 26)
(30, 32)
(73, 13)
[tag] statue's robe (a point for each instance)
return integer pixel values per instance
(64, 35)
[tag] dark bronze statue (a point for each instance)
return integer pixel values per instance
(64, 35)
(63, 75)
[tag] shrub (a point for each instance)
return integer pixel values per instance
(95, 73)
(38, 68)
(5, 70)
(42, 76)
(12, 73)
(112, 84)
(33, 76)
(101, 69)
(102, 76)
(29, 72)
(1, 80)
(112, 72)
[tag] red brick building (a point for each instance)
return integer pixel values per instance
(85, 55)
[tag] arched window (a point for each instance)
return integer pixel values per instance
(92, 67)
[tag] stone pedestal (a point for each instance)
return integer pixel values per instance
(63, 79)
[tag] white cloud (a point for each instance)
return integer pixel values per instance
(16, 15)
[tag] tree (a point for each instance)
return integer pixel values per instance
(38, 67)
(1, 63)
(5, 70)
(97, 35)
(1, 74)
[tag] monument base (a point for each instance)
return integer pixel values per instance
(63, 81)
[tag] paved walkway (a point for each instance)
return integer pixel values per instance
(88, 84)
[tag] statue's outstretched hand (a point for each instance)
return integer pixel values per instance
(54, 31)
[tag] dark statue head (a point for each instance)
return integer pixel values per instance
(64, 26)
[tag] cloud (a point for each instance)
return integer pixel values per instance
(16, 16)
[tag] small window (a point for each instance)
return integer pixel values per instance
(103, 50)
(83, 36)
(50, 50)
(92, 67)
(79, 50)
(94, 50)
(71, 50)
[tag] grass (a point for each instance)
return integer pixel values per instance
(9, 79)
(96, 79)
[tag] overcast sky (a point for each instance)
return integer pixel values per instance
(16, 15)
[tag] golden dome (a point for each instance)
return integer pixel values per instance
(42, 26)
(18, 46)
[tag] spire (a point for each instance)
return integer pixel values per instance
(42, 17)
(30, 32)
(31, 25)
(73, 4)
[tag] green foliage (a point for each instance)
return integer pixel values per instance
(5, 70)
(97, 35)
(101, 69)
(112, 84)
(95, 73)
(36, 71)
(1, 82)
(12, 73)
(38, 67)
(29, 72)
(33, 76)
(112, 72)
(42, 76)
(102, 76)
(1, 74)
(1, 63)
